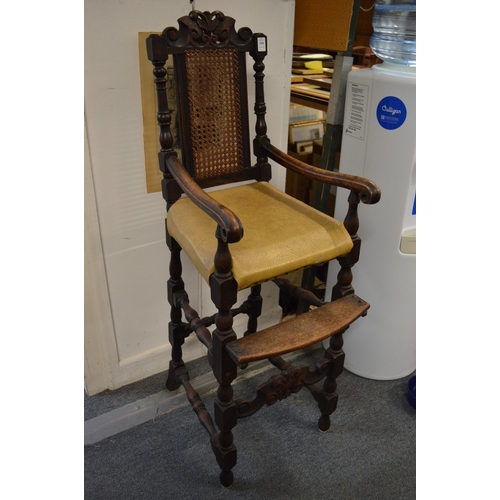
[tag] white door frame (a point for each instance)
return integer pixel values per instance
(101, 355)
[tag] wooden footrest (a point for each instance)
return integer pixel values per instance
(299, 332)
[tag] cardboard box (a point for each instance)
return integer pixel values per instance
(317, 152)
(303, 147)
(364, 56)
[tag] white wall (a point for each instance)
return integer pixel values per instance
(126, 255)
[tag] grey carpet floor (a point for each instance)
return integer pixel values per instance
(368, 453)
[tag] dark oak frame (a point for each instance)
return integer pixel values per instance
(226, 353)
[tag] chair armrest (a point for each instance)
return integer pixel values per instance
(368, 191)
(231, 227)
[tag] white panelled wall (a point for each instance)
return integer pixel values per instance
(126, 258)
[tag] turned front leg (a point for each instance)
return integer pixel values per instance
(176, 330)
(343, 286)
(327, 399)
(224, 295)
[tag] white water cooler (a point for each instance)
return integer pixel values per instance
(379, 142)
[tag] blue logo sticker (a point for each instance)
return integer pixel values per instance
(391, 113)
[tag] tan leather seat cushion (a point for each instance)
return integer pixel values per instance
(281, 234)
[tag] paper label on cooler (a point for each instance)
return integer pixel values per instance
(355, 123)
(391, 113)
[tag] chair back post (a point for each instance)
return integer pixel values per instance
(158, 56)
(258, 54)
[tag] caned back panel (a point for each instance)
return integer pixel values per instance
(215, 114)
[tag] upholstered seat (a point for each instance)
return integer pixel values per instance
(281, 234)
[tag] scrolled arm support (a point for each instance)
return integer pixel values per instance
(231, 227)
(368, 191)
